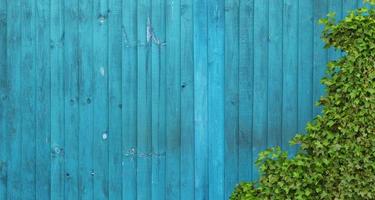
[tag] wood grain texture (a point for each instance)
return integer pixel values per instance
(153, 99)
(57, 115)
(231, 90)
(71, 99)
(86, 108)
(173, 100)
(3, 99)
(43, 100)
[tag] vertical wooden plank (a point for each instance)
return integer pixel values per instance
(100, 100)
(158, 98)
(361, 4)
(3, 98)
(129, 100)
(260, 79)
(173, 101)
(348, 5)
(144, 136)
(336, 7)
(200, 98)
(71, 102)
(320, 54)
(216, 128)
(13, 110)
(231, 94)
(28, 99)
(246, 62)
(57, 99)
(115, 100)
(86, 107)
(290, 73)
(43, 101)
(305, 63)
(275, 74)
(187, 101)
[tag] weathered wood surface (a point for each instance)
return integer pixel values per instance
(152, 99)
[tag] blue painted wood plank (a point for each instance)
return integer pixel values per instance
(3, 99)
(158, 98)
(187, 101)
(275, 74)
(320, 54)
(43, 101)
(183, 88)
(129, 100)
(57, 38)
(71, 99)
(290, 74)
(261, 32)
(86, 108)
(28, 99)
(336, 7)
(13, 110)
(100, 100)
(246, 62)
(144, 151)
(305, 64)
(348, 5)
(231, 88)
(200, 98)
(216, 127)
(173, 101)
(361, 3)
(115, 98)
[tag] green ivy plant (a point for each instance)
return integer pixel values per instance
(336, 158)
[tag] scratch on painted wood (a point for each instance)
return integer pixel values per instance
(132, 153)
(151, 37)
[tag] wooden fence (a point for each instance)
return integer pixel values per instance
(152, 99)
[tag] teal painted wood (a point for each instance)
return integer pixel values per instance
(27, 99)
(275, 73)
(173, 100)
(200, 51)
(57, 115)
(152, 99)
(320, 55)
(305, 63)
(158, 98)
(215, 97)
(71, 99)
(231, 82)
(13, 111)
(246, 63)
(100, 99)
(290, 73)
(86, 108)
(260, 78)
(43, 101)
(144, 117)
(187, 103)
(3, 99)
(129, 100)
(115, 98)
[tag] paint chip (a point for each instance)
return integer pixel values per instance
(105, 136)
(101, 19)
(57, 150)
(102, 71)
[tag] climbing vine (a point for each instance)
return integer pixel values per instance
(336, 158)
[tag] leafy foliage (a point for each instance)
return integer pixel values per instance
(336, 159)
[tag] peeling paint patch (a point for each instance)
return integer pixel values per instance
(149, 30)
(102, 71)
(105, 136)
(132, 153)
